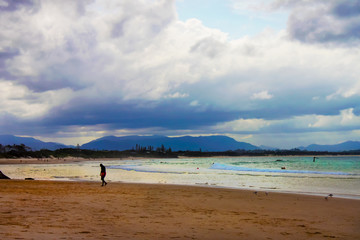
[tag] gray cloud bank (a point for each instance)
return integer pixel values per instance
(323, 21)
(93, 68)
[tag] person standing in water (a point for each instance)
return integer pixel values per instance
(103, 174)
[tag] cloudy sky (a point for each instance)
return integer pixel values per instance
(281, 73)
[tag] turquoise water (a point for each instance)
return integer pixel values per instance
(337, 175)
(301, 165)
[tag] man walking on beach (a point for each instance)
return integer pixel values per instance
(103, 174)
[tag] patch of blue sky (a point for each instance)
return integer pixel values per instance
(236, 20)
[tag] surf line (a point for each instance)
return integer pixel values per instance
(136, 169)
(220, 166)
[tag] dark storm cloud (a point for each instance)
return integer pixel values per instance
(325, 21)
(169, 115)
(347, 9)
(14, 5)
(6, 54)
(14, 125)
(293, 91)
(300, 103)
(54, 77)
(58, 76)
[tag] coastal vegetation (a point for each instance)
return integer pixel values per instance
(22, 151)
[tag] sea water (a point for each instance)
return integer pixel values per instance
(338, 175)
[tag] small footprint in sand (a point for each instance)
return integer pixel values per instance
(313, 233)
(327, 236)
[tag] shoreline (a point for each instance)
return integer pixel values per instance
(252, 190)
(52, 161)
(58, 209)
(204, 185)
(14, 161)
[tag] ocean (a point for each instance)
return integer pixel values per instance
(337, 175)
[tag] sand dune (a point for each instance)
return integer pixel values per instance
(84, 210)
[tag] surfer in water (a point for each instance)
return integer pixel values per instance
(103, 174)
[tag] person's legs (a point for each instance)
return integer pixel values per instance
(103, 180)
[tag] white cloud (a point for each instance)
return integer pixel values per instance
(194, 103)
(138, 51)
(304, 123)
(3, 3)
(145, 53)
(177, 95)
(263, 95)
(344, 119)
(346, 92)
(242, 125)
(21, 102)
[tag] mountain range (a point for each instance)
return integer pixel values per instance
(345, 146)
(33, 143)
(202, 143)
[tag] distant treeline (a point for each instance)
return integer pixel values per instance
(22, 151)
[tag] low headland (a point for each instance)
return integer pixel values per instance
(20, 154)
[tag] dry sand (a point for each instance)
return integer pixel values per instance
(85, 210)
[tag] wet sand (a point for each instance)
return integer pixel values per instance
(85, 210)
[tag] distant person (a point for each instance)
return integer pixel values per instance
(103, 174)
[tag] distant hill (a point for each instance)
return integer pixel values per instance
(33, 143)
(345, 146)
(263, 147)
(203, 143)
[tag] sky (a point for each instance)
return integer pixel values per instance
(279, 73)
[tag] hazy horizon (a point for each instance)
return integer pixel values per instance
(260, 146)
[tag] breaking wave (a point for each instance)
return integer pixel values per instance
(138, 168)
(220, 166)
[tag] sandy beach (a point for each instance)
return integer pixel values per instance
(85, 210)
